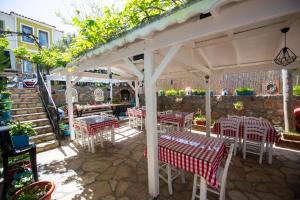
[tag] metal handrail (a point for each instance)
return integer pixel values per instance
(49, 105)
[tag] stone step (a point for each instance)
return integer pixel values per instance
(20, 111)
(38, 122)
(290, 144)
(26, 104)
(22, 90)
(47, 136)
(44, 146)
(32, 116)
(27, 99)
(43, 129)
(24, 95)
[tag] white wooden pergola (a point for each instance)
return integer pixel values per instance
(239, 36)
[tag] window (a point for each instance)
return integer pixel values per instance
(28, 30)
(2, 25)
(27, 67)
(43, 38)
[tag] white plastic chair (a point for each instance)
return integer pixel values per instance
(230, 133)
(221, 178)
(254, 140)
(99, 94)
(188, 121)
(131, 117)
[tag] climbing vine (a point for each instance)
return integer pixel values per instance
(97, 30)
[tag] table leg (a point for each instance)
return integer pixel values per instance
(270, 153)
(113, 135)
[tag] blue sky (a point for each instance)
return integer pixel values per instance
(44, 10)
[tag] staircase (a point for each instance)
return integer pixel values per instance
(27, 107)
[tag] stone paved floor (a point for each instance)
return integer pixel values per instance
(120, 172)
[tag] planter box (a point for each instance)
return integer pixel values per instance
(248, 93)
(40, 184)
(291, 137)
(20, 141)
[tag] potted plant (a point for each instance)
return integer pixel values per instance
(200, 120)
(161, 93)
(65, 129)
(41, 190)
(171, 92)
(20, 133)
(239, 105)
(296, 90)
(18, 168)
(244, 91)
(5, 94)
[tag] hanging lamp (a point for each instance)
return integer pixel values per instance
(285, 55)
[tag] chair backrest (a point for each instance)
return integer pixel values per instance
(225, 172)
(139, 113)
(5, 140)
(255, 132)
(169, 111)
(189, 117)
(235, 117)
(229, 129)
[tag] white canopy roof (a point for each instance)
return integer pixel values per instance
(240, 36)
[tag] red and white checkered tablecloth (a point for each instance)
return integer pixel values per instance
(272, 134)
(175, 117)
(193, 153)
(96, 123)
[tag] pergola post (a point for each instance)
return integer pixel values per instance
(48, 82)
(136, 92)
(70, 105)
(151, 124)
(288, 103)
(110, 85)
(207, 105)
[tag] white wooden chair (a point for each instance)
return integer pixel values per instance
(254, 140)
(139, 120)
(74, 94)
(230, 133)
(221, 178)
(188, 121)
(169, 173)
(169, 112)
(131, 118)
(81, 135)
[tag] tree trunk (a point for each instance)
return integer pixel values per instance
(288, 101)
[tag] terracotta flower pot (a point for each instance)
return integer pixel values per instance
(200, 123)
(41, 184)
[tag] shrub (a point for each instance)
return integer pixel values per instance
(171, 93)
(296, 90)
(244, 89)
(181, 92)
(161, 93)
(198, 92)
(18, 128)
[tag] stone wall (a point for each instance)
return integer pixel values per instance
(86, 94)
(268, 107)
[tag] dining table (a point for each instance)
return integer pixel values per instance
(194, 153)
(176, 117)
(272, 136)
(95, 124)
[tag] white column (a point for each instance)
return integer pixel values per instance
(136, 92)
(151, 125)
(207, 105)
(48, 82)
(70, 105)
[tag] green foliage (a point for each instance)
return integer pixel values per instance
(199, 118)
(171, 92)
(198, 92)
(18, 128)
(181, 92)
(4, 60)
(244, 89)
(239, 105)
(161, 93)
(97, 30)
(6, 93)
(296, 90)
